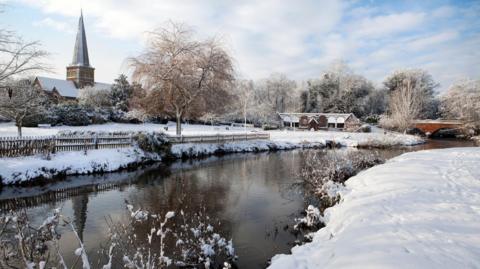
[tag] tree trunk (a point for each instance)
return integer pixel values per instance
(19, 127)
(245, 117)
(179, 123)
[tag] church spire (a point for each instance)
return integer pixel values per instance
(80, 52)
(80, 71)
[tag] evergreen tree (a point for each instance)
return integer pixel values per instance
(121, 93)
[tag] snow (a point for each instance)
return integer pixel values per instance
(66, 87)
(9, 129)
(15, 170)
(377, 138)
(196, 150)
(418, 210)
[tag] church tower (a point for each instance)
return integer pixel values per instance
(80, 71)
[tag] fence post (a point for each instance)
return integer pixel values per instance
(54, 144)
(95, 141)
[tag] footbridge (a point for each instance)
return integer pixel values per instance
(431, 126)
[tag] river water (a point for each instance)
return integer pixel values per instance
(254, 197)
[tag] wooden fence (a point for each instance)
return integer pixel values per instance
(217, 138)
(26, 146)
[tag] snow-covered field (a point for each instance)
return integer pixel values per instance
(418, 210)
(377, 138)
(9, 129)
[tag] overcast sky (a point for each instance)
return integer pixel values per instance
(298, 38)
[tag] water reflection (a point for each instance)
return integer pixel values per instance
(254, 197)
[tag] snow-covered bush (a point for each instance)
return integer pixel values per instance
(157, 241)
(327, 171)
(46, 116)
(153, 142)
(146, 240)
(372, 119)
(72, 114)
(27, 246)
(94, 97)
(125, 117)
(313, 219)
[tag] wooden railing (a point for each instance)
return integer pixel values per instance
(219, 138)
(32, 145)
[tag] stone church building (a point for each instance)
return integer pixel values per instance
(80, 73)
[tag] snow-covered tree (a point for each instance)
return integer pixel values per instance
(411, 95)
(244, 103)
(90, 96)
(121, 92)
(375, 103)
(19, 99)
(339, 90)
(404, 105)
(462, 101)
(423, 85)
(184, 75)
(274, 95)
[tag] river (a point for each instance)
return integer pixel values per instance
(254, 197)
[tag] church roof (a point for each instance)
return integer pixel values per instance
(80, 52)
(66, 88)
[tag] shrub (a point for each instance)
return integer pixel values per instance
(121, 116)
(94, 97)
(372, 119)
(72, 114)
(324, 168)
(153, 142)
(45, 117)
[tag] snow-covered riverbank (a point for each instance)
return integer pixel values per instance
(22, 169)
(418, 210)
(16, 170)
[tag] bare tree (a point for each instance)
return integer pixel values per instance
(424, 86)
(462, 101)
(404, 105)
(244, 93)
(275, 94)
(183, 74)
(19, 57)
(19, 99)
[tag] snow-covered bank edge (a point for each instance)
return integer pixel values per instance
(27, 169)
(37, 168)
(420, 208)
(190, 150)
(22, 170)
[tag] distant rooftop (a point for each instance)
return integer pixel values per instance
(66, 88)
